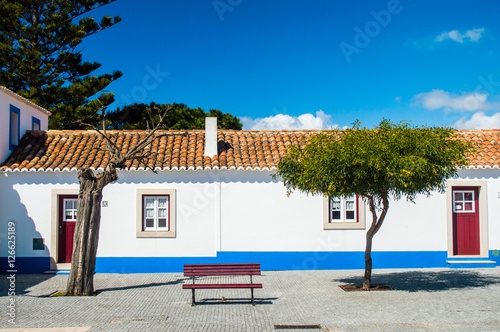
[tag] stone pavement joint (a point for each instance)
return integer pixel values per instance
(422, 300)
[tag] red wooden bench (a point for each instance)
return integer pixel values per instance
(203, 270)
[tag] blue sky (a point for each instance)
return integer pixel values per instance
(308, 64)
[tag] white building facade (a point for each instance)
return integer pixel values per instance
(226, 208)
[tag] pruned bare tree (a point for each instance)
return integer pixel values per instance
(92, 183)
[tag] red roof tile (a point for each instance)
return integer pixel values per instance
(66, 150)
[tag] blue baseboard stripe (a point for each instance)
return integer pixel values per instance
(283, 260)
(269, 261)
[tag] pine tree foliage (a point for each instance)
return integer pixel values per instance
(180, 117)
(40, 57)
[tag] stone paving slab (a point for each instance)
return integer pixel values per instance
(422, 300)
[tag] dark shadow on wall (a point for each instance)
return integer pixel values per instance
(21, 249)
(429, 281)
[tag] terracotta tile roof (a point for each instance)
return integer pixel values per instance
(72, 149)
(488, 147)
(179, 150)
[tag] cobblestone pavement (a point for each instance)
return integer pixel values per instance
(422, 300)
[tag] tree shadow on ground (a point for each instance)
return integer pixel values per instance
(224, 301)
(429, 281)
(154, 284)
(23, 282)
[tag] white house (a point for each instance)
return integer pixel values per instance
(18, 114)
(216, 201)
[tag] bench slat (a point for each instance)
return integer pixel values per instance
(225, 264)
(221, 272)
(214, 286)
(221, 269)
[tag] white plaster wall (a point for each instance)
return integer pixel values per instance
(419, 226)
(195, 227)
(252, 213)
(26, 199)
(27, 111)
(257, 215)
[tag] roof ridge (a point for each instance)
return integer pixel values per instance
(15, 95)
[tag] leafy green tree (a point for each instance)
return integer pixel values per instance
(40, 59)
(135, 116)
(388, 162)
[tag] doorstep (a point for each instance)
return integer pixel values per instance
(461, 263)
(61, 269)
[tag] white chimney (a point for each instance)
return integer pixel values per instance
(210, 137)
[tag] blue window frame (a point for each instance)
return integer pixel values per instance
(14, 127)
(35, 123)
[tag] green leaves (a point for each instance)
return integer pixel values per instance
(392, 158)
(179, 117)
(39, 58)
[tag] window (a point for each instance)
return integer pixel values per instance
(35, 123)
(155, 213)
(463, 201)
(343, 209)
(344, 213)
(14, 131)
(70, 207)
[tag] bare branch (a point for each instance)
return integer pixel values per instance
(149, 137)
(110, 145)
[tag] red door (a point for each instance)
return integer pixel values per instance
(465, 221)
(67, 221)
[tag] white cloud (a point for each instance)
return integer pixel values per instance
(471, 35)
(471, 102)
(479, 121)
(284, 121)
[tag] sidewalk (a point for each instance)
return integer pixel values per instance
(422, 300)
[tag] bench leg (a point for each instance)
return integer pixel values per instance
(251, 289)
(193, 300)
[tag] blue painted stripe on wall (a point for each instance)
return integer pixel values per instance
(277, 261)
(287, 260)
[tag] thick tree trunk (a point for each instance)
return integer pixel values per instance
(376, 224)
(81, 278)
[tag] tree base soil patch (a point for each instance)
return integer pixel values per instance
(359, 288)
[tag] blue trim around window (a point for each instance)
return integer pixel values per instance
(14, 109)
(35, 121)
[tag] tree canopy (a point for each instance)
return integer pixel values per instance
(40, 59)
(390, 161)
(180, 116)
